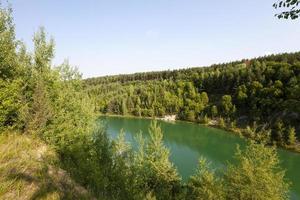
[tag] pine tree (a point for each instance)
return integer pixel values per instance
(122, 176)
(40, 110)
(257, 175)
(279, 131)
(43, 51)
(157, 173)
(204, 185)
(291, 133)
(222, 123)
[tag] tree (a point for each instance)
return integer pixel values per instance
(292, 9)
(72, 108)
(291, 136)
(204, 185)
(227, 106)
(10, 103)
(40, 109)
(190, 115)
(122, 176)
(279, 130)
(124, 107)
(10, 80)
(121, 147)
(138, 111)
(214, 111)
(156, 174)
(242, 93)
(8, 44)
(257, 175)
(204, 98)
(43, 50)
(222, 123)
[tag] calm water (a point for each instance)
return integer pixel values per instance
(187, 142)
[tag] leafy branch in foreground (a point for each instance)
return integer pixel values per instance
(291, 9)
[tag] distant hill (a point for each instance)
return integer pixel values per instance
(184, 73)
(263, 93)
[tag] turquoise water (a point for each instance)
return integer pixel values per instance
(189, 141)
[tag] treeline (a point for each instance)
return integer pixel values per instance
(49, 102)
(186, 73)
(261, 96)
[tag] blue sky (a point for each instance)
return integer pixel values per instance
(125, 36)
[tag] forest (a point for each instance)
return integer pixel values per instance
(53, 104)
(259, 98)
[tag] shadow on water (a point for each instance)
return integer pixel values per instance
(188, 142)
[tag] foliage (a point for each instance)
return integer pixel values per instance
(50, 105)
(204, 184)
(156, 174)
(227, 106)
(291, 134)
(292, 9)
(45, 101)
(265, 90)
(256, 175)
(214, 111)
(10, 82)
(10, 103)
(8, 45)
(222, 123)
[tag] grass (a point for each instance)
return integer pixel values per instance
(29, 169)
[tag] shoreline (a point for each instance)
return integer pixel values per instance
(236, 132)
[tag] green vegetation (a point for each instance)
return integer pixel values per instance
(256, 176)
(50, 139)
(261, 93)
(291, 9)
(204, 184)
(39, 102)
(29, 169)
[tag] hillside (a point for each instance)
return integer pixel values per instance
(29, 169)
(261, 93)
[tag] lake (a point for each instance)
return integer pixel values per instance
(189, 141)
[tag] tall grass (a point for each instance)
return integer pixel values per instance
(29, 169)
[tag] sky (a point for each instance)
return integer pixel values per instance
(126, 36)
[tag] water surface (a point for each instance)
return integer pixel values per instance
(189, 141)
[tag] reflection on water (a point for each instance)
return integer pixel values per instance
(188, 142)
